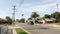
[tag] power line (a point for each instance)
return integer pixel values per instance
(21, 2)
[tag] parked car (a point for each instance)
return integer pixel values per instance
(30, 22)
(40, 21)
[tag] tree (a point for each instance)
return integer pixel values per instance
(34, 15)
(9, 20)
(47, 16)
(29, 18)
(3, 21)
(56, 15)
(22, 20)
(17, 20)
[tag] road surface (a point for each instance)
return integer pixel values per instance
(40, 29)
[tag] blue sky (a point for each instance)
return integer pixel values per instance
(42, 7)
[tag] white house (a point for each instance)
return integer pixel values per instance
(50, 20)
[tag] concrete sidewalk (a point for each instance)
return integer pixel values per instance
(13, 28)
(14, 32)
(16, 26)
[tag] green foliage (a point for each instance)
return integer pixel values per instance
(29, 18)
(17, 20)
(20, 31)
(21, 20)
(58, 23)
(47, 16)
(9, 20)
(2, 21)
(56, 15)
(34, 15)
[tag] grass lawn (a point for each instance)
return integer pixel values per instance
(20, 31)
(58, 23)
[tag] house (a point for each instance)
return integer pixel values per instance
(51, 20)
(46, 20)
(42, 21)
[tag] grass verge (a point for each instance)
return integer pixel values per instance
(20, 31)
(57, 23)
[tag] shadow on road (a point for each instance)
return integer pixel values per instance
(44, 28)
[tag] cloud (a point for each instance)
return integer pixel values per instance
(42, 7)
(27, 9)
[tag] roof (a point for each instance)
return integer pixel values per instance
(52, 19)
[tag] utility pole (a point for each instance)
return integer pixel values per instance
(57, 10)
(57, 6)
(14, 10)
(13, 15)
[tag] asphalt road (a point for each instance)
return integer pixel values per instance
(40, 29)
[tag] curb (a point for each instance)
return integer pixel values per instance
(24, 30)
(14, 31)
(56, 25)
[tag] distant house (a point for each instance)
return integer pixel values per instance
(46, 20)
(42, 21)
(51, 20)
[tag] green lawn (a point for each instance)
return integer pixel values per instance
(20, 31)
(58, 23)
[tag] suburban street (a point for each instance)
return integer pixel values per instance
(40, 29)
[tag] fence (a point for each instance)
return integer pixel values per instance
(4, 30)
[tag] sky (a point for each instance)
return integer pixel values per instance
(26, 7)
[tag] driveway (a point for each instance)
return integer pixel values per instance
(40, 29)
